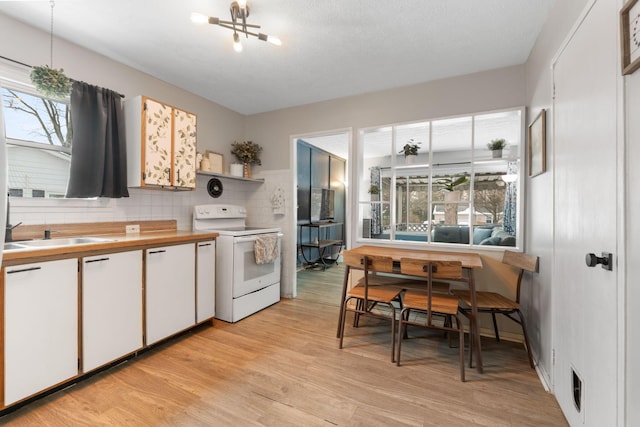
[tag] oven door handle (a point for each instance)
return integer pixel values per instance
(251, 238)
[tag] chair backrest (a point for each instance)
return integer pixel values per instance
(523, 262)
(371, 263)
(447, 270)
(351, 260)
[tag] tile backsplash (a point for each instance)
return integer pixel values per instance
(156, 204)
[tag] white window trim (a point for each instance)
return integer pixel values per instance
(16, 76)
(358, 200)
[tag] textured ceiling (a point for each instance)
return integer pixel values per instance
(331, 48)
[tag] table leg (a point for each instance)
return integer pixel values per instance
(342, 298)
(473, 321)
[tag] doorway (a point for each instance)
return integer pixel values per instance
(321, 165)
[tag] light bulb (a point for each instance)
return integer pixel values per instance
(237, 46)
(198, 18)
(271, 39)
(242, 4)
(274, 40)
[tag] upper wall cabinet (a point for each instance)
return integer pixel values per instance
(166, 156)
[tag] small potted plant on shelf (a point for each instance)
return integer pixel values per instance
(247, 153)
(410, 150)
(496, 146)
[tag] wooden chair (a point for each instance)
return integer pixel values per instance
(431, 303)
(367, 295)
(494, 303)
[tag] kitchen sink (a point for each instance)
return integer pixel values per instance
(62, 242)
(49, 243)
(11, 246)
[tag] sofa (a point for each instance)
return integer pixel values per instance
(482, 235)
(492, 235)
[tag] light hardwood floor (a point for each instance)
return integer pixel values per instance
(282, 367)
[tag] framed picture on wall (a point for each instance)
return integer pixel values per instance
(537, 145)
(630, 36)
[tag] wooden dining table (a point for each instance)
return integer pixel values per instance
(470, 261)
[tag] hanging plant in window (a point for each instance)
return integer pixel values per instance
(49, 81)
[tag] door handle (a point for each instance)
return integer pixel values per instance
(606, 260)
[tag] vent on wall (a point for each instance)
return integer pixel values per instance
(576, 386)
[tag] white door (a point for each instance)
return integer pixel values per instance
(585, 193)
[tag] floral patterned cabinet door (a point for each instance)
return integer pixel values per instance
(184, 149)
(157, 143)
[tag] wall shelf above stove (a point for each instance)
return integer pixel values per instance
(237, 178)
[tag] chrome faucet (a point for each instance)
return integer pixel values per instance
(8, 230)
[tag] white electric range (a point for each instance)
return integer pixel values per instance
(243, 287)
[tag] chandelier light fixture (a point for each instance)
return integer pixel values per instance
(239, 13)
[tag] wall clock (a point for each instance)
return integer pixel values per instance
(630, 36)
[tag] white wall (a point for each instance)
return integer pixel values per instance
(536, 291)
(496, 89)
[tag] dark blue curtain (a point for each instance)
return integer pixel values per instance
(511, 202)
(98, 149)
(376, 210)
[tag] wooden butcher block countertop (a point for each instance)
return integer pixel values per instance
(152, 234)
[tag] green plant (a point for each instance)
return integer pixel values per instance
(497, 144)
(451, 182)
(51, 82)
(374, 189)
(247, 152)
(410, 148)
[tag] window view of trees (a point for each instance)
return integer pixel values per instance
(39, 137)
(450, 187)
(36, 119)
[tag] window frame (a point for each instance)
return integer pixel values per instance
(361, 203)
(15, 76)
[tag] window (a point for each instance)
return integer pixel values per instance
(38, 134)
(437, 182)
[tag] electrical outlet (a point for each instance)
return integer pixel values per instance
(135, 228)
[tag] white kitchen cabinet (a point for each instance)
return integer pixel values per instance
(40, 327)
(205, 281)
(161, 145)
(111, 307)
(170, 291)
